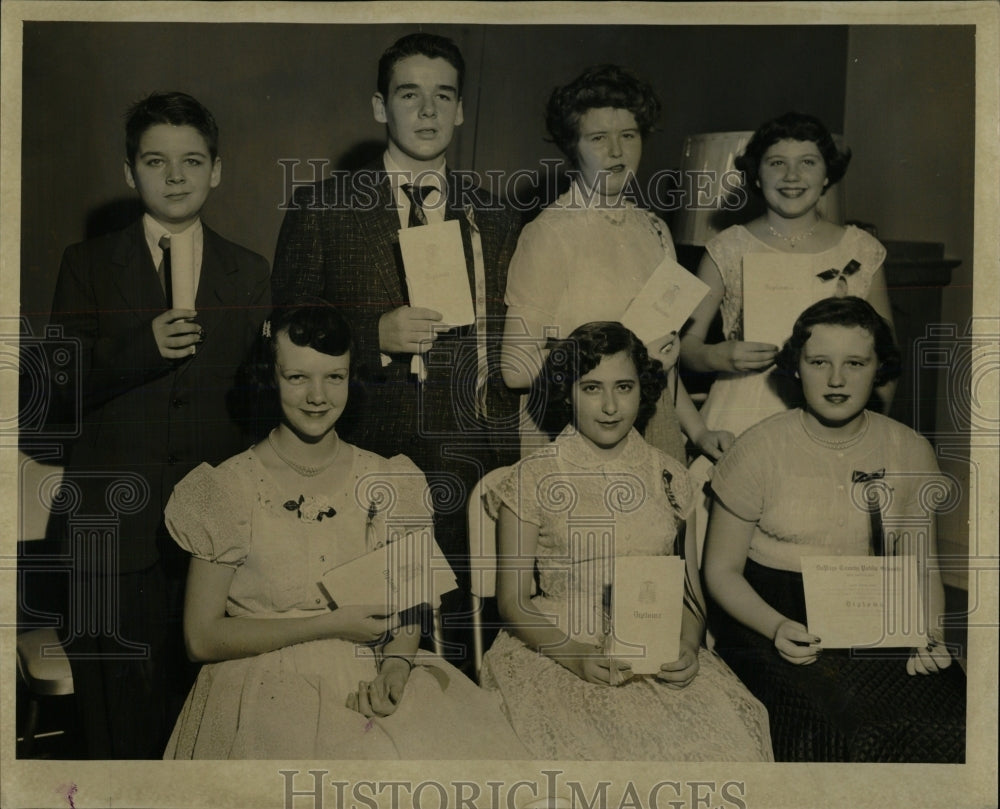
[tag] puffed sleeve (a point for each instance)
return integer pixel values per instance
(739, 480)
(409, 486)
(536, 279)
(920, 487)
(518, 490)
(209, 514)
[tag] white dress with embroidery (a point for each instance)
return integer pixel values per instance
(290, 703)
(587, 509)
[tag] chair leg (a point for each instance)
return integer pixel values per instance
(477, 636)
(30, 728)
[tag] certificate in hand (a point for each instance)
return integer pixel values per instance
(665, 303)
(777, 287)
(401, 574)
(182, 281)
(869, 601)
(436, 276)
(647, 601)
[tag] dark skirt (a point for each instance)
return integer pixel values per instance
(850, 705)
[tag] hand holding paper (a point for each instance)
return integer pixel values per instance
(436, 274)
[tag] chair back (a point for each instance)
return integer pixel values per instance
(483, 537)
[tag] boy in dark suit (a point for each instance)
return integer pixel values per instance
(153, 393)
(450, 411)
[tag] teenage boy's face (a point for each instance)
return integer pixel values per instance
(173, 174)
(421, 111)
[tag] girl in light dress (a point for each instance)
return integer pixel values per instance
(791, 162)
(288, 674)
(832, 478)
(600, 491)
(589, 254)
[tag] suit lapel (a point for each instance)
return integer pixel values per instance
(379, 224)
(134, 275)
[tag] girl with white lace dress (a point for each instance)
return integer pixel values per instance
(600, 491)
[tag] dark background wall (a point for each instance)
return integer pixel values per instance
(303, 92)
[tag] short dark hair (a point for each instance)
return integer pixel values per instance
(598, 86)
(432, 46)
(579, 354)
(845, 311)
(792, 126)
(310, 322)
(177, 109)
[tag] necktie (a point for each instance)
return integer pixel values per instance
(416, 195)
(164, 270)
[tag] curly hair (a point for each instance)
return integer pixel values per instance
(792, 126)
(597, 87)
(310, 322)
(579, 354)
(845, 311)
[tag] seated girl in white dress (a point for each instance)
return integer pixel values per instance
(565, 512)
(287, 673)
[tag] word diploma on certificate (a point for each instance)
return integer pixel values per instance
(647, 602)
(865, 601)
(404, 573)
(665, 302)
(436, 275)
(777, 288)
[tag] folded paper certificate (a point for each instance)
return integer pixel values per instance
(777, 287)
(647, 602)
(436, 276)
(665, 303)
(182, 271)
(401, 574)
(865, 601)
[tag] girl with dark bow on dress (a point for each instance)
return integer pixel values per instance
(833, 478)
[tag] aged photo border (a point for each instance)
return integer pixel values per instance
(246, 784)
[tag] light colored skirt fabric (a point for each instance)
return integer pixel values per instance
(290, 704)
(559, 716)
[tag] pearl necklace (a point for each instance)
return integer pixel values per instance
(836, 444)
(302, 469)
(798, 237)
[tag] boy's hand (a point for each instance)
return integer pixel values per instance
(177, 335)
(407, 330)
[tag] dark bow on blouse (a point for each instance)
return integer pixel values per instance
(849, 269)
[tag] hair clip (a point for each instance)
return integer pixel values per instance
(265, 328)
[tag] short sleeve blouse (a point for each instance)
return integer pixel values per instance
(809, 499)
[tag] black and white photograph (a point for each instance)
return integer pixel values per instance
(499, 405)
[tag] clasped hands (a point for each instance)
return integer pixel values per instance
(604, 669)
(796, 644)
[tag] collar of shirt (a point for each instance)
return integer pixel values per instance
(434, 201)
(155, 231)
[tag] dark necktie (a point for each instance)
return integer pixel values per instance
(164, 270)
(416, 195)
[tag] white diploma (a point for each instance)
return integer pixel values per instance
(665, 303)
(867, 601)
(436, 274)
(182, 272)
(777, 287)
(400, 574)
(647, 603)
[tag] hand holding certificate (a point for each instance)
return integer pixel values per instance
(665, 302)
(865, 601)
(647, 606)
(436, 274)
